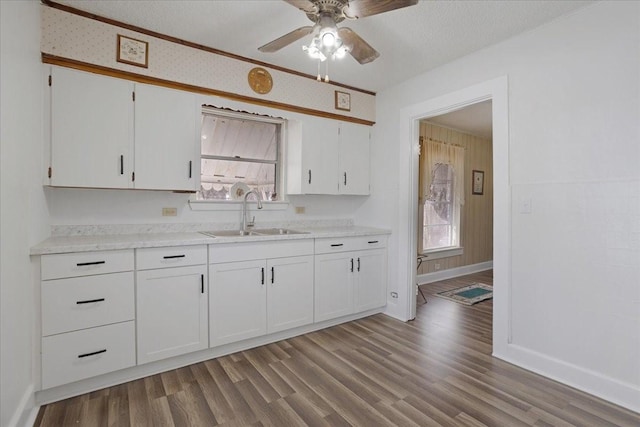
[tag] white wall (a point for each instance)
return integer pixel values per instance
(574, 151)
(23, 216)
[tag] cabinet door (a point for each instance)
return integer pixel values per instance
(370, 287)
(171, 312)
(166, 139)
(319, 157)
(354, 159)
(237, 301)
(91, 130)
(289, 293)
(333, 285)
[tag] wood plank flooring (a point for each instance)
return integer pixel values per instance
(434, 371)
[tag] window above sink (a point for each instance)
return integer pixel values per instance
(240, 152)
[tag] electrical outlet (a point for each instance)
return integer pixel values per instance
(169, 211)
(437, 267)
(300, 209)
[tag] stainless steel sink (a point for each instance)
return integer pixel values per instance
(254, 232)
(277, 231)
(229, 233)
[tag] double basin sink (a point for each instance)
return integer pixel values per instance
(253, 232)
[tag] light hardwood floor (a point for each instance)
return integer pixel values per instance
(434, 371)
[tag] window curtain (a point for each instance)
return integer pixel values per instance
(432, 153)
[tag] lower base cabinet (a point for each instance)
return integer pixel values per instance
(237, 301)
(253, 298)
(191, 298)
(171, 312)
(259, 288)
(349, 281)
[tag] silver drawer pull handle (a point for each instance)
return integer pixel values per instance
(84, 264)
(337, 244)
(80, 356)
(89, 301)
(173, 256)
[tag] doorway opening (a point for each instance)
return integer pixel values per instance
(455, 196)
(496, 91)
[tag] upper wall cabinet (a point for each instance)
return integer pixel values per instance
(91, 130)
(112, 133)
(167, 147)
(327, 157)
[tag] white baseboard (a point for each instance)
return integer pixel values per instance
(615, 391)
(451, 273)
(26, 411)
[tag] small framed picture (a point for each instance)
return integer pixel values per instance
(132, 51)
(343, 101)
(477, 183)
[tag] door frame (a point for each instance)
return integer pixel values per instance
(497, 91)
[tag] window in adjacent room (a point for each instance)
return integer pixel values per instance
(240, 151)
(441, 195)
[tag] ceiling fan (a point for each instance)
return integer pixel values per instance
(329, 41)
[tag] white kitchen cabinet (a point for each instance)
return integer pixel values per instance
(370, 279)
(237, 301)
(270, 290)
(289, 293)
(333, 285)
(353, 159)
(350, 276)
(167, 155)
(171, 302)
(327, 157)
(88, 315)
(113, 133)
(91, 130)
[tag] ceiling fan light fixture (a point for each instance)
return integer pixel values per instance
(329, 39)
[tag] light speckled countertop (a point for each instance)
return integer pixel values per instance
(86, 243)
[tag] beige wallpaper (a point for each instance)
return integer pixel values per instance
(87, 40)
(476, 221)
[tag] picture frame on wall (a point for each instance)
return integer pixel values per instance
(132, 51)
(477, 182)
(343, 101)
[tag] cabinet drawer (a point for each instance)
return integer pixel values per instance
(178, 256)
(59, 266)
(344, 244)
(82, 354)
(85, 302)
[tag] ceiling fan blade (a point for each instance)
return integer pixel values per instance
(306, 6)
(361, 8)
(285, 40)
(358, 48)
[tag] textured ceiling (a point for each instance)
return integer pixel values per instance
(411, 41)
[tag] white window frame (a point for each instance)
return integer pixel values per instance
(233, 205)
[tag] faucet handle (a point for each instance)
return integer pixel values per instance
(252, 222)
